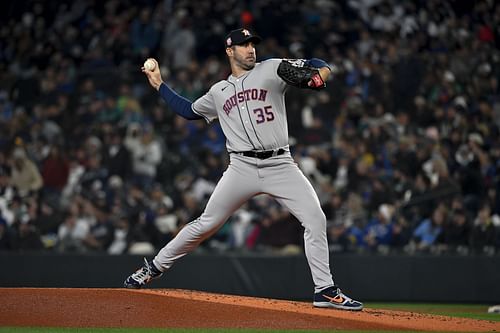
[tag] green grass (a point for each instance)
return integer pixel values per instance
(474, 311)
(171, 330)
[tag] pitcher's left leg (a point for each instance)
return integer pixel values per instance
(292, 189)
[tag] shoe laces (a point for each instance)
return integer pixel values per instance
(338, 292)
(143, 274)
(346, 298)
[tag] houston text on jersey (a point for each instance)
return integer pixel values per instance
(242, 96)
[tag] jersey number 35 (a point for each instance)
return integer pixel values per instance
(265, 114)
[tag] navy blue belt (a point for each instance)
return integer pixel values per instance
(261, 154)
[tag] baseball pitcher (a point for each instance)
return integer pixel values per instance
(250, 107)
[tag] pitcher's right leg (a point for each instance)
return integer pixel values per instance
(237, 185)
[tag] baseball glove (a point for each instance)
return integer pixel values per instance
(296, 73)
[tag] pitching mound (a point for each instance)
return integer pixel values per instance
(189, 309)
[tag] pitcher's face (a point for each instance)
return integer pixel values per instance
(243, 55)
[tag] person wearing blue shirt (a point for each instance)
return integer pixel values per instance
(428, 231)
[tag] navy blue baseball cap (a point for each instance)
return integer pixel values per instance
(241, 36)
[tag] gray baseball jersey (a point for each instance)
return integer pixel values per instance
(250, 108)
(251, 111)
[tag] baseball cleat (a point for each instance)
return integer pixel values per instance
(333, 297)
(142, 276)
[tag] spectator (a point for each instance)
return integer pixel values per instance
(179, 41)
(401, 232)
(427, 232)
(72, 234)
(456, 231)
(346, 220)
(144, 33)
(55, 172)
(166, 222)
(241, 227)
(47, 221)
(280, 232)
(119, 244)
(470, 177)
(26, 237)
(101, 234)
(94, 178)
(378, 232)
(484, 232)
(116, 156)
(25, 176)
(6, 195)
(214, 140)
(146, 156)
(141, 235)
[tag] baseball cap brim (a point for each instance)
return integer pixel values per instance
(241, 36)
(254, 39)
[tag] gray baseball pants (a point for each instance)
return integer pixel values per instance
(244, 178)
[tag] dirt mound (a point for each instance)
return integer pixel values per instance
(191, 309)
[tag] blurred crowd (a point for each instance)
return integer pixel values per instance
(403, 147)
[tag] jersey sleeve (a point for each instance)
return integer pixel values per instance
(205, 107)
(271, 66)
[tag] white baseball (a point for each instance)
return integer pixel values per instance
(150, 65)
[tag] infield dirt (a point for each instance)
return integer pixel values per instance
(47, 307)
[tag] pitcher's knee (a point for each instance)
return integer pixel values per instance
(316, 222)
(202, 226)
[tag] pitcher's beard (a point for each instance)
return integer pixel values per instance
(245, 64)
(248, 66)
